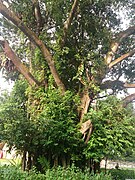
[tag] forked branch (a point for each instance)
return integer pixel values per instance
(34, 38)
(68, 22)
(116, 42)
(37, 14)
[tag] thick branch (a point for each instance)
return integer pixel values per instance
(85, 126)
(86, 129)
(89, 133)
(37, 14)
(127, 85)
(124, 56)
(68, 22)
(85, 102)
(116, 42)
(19, 65)
(124, 34)
(34, 38)
(128, 99)
(111, 84)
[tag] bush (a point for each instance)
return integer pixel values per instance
(120, 174)
(14, 173)
(71, 173)
(74, 173)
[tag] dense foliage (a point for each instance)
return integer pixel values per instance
(72, 173)
(63, 57)
(60, 173)
(114, 132)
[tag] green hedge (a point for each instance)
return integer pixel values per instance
(73, 173)
(9, 172)
(122, 174)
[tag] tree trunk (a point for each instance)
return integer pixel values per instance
(105, 164)
(56, 161)
(68, 160)
(29, 163)
(96, 167)
(24, 161)
(85, 102)
(63, 160)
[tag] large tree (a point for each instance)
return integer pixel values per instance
(68, 46)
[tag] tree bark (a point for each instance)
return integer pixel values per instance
(38, 15)
(121, 58)
(116, 42)
(85, 102)
(19, 65)
(63, 159)
(68, 22)
(128, 99)
(29, 163)
(111, 84)
(55, 161)
(24, 161)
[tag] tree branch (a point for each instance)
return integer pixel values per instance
(126, 85)
(68, 22)
(124, 34)
(111, 84)
(128, 99)
(38, 15)
(19, 65)
(34, 38)
(124, 56)
(116, 42)
(85, 102)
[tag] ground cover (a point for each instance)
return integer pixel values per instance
(12, 172)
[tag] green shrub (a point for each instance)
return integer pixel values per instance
(74, 173)
(71, 173)
(12, 173)
(122, 174)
